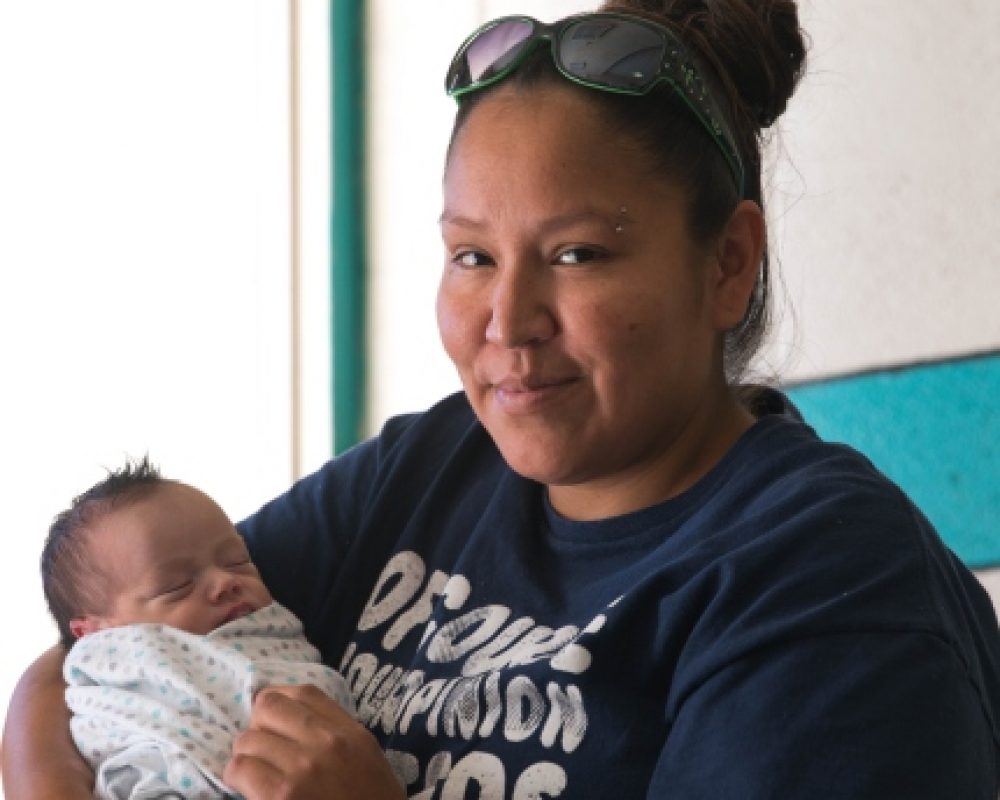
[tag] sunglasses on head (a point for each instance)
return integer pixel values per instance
(606, 51)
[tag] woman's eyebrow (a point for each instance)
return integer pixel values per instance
(548, 225)
(448, 218)
(580, 217)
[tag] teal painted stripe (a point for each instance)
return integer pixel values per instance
(348, 215)
(934, 429)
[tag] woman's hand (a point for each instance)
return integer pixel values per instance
(301, 745)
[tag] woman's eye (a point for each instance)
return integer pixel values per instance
(578, 255)
(471, 259)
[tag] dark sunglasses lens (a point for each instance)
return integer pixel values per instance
(611, 52)
(491, 52)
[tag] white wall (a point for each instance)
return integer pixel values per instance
(145, 249)
(885, 200)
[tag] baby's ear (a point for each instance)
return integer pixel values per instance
(81, 626)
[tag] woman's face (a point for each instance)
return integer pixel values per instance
(573, 300)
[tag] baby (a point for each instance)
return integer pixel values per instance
(171, 632)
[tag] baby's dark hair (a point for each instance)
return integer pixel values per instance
(72, 583)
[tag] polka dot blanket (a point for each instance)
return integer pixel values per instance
(156, 709)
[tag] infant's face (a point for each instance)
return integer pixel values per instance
(174, 557)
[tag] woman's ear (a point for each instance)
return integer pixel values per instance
(81, 626)
(739, 252)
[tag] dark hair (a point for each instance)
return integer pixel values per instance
(756, 51)
(71, 581)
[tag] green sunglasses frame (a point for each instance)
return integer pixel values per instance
(679, 69)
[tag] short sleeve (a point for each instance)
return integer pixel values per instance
(853, 716)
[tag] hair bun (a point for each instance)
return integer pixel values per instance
(771, 59)
(756, 46)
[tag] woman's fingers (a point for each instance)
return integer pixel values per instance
(295, 711)
(254, 777)
(301, 745)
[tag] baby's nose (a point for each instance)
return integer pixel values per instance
(223, 585)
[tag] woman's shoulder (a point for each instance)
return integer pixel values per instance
(420, 441)
(827, 503)
(782, 461)
(839, 543)
(443, 445)
(444, 442)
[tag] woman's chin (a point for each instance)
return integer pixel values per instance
(549, 463)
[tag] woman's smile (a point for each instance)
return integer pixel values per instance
(528, 395)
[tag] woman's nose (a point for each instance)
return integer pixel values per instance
(520, 314)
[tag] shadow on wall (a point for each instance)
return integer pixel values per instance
(933, 429)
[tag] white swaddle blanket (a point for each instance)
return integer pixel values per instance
(156, 709)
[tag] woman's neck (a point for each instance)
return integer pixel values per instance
(670, 469)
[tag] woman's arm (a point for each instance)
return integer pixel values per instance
(39, 757)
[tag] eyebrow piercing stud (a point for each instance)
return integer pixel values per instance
(620, 226)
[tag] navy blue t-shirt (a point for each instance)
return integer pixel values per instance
(789, 627)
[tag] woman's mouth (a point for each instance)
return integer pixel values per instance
(526, 396)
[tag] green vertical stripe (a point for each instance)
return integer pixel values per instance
(348, 259)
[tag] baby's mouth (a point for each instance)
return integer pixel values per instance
(238, 611)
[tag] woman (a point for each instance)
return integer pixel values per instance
(605, 569)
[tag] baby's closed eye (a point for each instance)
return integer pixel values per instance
(174, 589)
